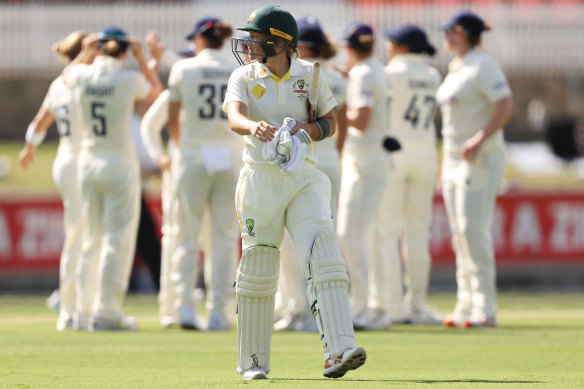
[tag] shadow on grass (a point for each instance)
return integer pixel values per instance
(470, 380)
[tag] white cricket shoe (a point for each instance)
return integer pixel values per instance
(255, 373)
(426, 316)
(168, 321)
(480, 321)
(64, 324)
(351, 359)
(218, 321)
(188, 318)
(124, 323)
(54, 300)
(456, 319)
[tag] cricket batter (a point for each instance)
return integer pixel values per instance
(204, 172)
(59, 107)
(313, 44)
(475, 100)
(365, 169)
(406, 210)
(108, 174)
(279, 187)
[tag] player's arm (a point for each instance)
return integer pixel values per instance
(341, 127)
(151, 127)
(500, 117)
(358, 117)
(85, 56)
(174, 130)
(315, 129)
(239, 123)
(151, 77)
(35, 134)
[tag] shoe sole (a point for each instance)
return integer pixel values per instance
(258, 376)
(353, 361)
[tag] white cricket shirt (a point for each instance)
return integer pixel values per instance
(200, 85)
(106, 94)
(271, 99)
(367, 89)
(467, 98)
(411, 102)
(59, 101)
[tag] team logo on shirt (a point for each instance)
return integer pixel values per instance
(249, 223)
(300, 89)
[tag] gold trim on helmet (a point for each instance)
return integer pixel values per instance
(281, 34)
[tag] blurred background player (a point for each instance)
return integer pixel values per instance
(406, 208)
(291, 300)
(59, 107)
(279, 187)
(108, 173)
(365, 167)
(475, 100)
(204, 171)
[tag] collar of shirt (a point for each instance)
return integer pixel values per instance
(466, 59)
(107, 62)
(407, 58)
(262, 71)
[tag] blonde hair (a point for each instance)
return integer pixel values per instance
(68, 48)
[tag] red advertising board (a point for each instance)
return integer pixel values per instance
(527, 229)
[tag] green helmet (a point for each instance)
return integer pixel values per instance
(273, 20)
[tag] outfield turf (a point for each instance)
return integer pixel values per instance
(539, 344)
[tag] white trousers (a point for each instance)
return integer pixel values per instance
(364, 177)
(65, 177)
(402, 232)
(194, 189)
(110, 190)
(469, 191)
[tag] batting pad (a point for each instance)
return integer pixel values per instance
(328, 287)
(257, 282)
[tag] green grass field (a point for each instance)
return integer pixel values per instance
(539, 344)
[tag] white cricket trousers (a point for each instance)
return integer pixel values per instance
(195, 189)
(110, 191)
(469, 190)
(364, 177)
(65, 177)
(402, 232)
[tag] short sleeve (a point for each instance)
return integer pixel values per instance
(174, 82)
(362, 89)
(492, 82)
(326, 99)
(236, 90)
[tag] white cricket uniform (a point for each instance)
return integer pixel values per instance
(406, 209)
(365, 171)
(109, 181)
(59, 101)
(204, 172)
(268, 201)
(467, 98)
(291, 296)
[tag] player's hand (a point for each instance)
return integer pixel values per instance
(163, 161)
(136, 47)
(470, 149)
(310, 128)
(263, 131)
(26, 155)
(89, 47)
(155, 47)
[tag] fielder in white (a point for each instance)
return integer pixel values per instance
(108, 174)
(59, 107)
(291, 301)
(204, 171)
(406, 210)
(475, 100)
(279, 187)
(365, 169)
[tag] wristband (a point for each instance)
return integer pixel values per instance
(325, 128)
(33, 137)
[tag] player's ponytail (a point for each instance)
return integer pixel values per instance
(114, 48)
(220, 32)
(70, 47)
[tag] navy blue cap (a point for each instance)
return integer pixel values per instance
(469, 21)
(354, 31)
(112, 33)
(411, 36)
(310, 32)
(204, 27)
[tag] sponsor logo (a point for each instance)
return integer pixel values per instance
(252, 16)
(300, 89)
(249, 223)
(254, 360)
